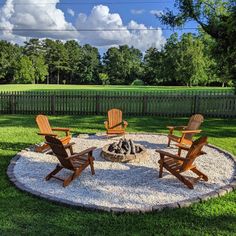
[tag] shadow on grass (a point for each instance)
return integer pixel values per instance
(16, 146)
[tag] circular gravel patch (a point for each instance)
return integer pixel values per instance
(123, 187)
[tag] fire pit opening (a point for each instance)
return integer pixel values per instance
(124, 151)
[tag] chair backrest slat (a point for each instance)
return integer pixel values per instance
(43, 124)
(194, 151)
(194, 123)
(115, 118)
(59, 150)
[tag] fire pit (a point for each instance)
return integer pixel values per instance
(124, 151)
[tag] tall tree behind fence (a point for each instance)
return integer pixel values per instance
(170, 104)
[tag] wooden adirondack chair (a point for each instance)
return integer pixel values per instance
(115, 125)
(177, 165)
(46, 129)
(75, 162)
(187, 131)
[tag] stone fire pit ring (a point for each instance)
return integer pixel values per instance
(135, 158)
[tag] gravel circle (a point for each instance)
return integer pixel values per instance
(122, 187)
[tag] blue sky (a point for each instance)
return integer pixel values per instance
(63, 19)
(129, 10)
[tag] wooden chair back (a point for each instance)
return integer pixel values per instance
(194, 151)
(115, 118)
(43, 124)
(194, 123)
(59, 150)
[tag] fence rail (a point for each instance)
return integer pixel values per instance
(169, 104)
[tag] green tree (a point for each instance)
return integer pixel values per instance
(212, 64)
(104, 78)
(74, 50)
(153, 66)
(57, 59)
(35, 51)
(34, 47)
(89, 65)
(9, 55)
(170, 60)
(217, 18)
(123, 64)
(41, 69)
(25, 72)
(191, 65)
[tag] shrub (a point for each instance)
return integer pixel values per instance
(137, 82)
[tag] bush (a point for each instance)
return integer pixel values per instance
(137, 82)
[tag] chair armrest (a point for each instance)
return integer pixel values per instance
(125, 123)
(82, 153)
(61, 129)
(176, 127)
(191, 131)
(66, 130)
(203, 153)
(182, 146)
(68, 145)
(163, 154)
(106, 124)
(47, 134)
(172, 128)
(186, 148)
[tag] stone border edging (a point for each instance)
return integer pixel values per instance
(185, 203)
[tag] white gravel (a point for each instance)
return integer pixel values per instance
(130, 186)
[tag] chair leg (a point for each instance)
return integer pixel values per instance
(199, 173)
(55, 171)
(181, 178)
(69, 179)
(161, 169)
(179, 151)
(91, 165)
(42, 148)
(168, 142)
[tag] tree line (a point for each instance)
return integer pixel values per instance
(206, 58)
(188, 60)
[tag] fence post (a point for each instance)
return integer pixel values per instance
(97, 104)
(53, 104)
(195, 104)
(144, 111)
(12, 103)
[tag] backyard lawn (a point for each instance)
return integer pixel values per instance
(23, 214)
(53, 87)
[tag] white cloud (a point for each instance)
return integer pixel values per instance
(29, 18)
(24, 19)
(156, 12)
(70, 12)
(101, 18)
(137, 11)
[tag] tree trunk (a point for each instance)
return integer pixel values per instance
(58, 77)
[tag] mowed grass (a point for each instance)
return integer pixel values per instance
(23, 214)
(53, 87)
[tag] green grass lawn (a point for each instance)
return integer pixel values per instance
(45, 87)
(23, 214)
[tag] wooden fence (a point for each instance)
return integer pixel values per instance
(169, 104)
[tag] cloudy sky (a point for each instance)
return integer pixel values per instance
(100, 23)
